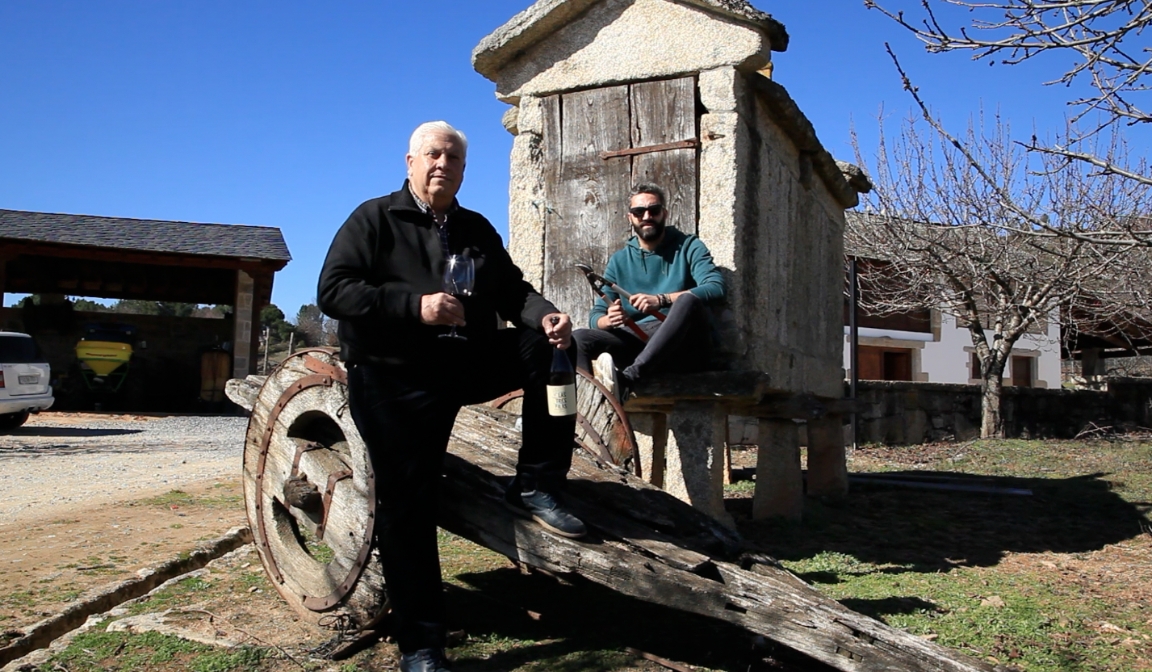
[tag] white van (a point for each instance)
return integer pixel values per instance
(24, 384)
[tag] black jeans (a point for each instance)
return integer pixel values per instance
(406, 421)
(681, 343)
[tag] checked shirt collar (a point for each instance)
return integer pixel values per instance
(441, 219)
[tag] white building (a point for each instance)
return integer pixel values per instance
(938, 349)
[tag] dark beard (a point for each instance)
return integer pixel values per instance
(656, 231)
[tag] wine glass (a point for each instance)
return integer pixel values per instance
(459, 276)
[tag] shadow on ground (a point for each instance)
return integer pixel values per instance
(584, 627)
(926, 530)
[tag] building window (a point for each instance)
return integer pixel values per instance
(976, 372)
(1022, 371)
(885, 363)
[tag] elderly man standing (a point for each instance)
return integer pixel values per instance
(382, 279)
(667, 272)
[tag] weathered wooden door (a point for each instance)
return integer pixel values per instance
(597, 144)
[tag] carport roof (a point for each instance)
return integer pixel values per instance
(146, 235)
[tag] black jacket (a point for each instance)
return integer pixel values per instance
(387, 255)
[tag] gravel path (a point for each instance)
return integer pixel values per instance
(60, 460)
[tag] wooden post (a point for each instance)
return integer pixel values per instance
(267, 344)
(695, 456)
(827, 461)
(658, 462)
(779, 482)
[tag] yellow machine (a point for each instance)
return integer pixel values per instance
(105, 351)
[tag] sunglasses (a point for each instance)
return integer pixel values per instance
(655, 209)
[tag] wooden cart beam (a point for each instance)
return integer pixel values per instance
(642, 542)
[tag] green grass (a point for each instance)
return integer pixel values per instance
(170, 498)
(253, 580)
(320, 551)
(934, 562)
(18, 599)
(179, 498)
(740, 487)
(460, 556)
(97, 650)
(1014, 619)
(27, 599)
(171, 596)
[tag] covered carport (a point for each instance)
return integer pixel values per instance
(61, 255)
(1093, 338)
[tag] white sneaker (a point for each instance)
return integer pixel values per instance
(604, 370)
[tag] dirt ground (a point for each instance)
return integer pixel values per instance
(53, 553)
(504, 620)
(48, 561)
(66, 531)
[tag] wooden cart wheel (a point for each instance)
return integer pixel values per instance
(602, 427)
(309, 492)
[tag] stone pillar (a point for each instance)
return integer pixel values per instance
(723, 191)
(695, 457)
(527, 202)
(242, 348)
(651, 432)
(827, 460)
(779, 481)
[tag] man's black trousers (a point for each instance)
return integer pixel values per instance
(406, 419)
(680, 344)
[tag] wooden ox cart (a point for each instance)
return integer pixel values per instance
(309, 489)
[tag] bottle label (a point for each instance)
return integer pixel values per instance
(562, 400)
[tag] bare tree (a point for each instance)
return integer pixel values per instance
(945, 221)
(1111, 60)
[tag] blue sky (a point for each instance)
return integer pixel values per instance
(289, 114)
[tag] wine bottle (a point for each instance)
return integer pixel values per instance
(561, 385)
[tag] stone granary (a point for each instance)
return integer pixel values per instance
(609, 93)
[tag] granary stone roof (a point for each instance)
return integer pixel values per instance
(743, 9)
(547, 16)
(146, 235)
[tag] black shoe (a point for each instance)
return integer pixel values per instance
(424, 660)
(544, 510)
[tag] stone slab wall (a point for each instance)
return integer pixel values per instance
(909, 413)
(787, 251)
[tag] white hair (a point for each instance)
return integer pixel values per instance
(430, 127)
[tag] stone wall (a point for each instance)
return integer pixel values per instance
(787, 228)
(907, 413)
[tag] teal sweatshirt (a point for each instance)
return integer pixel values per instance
(680, 262)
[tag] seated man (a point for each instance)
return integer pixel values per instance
(666, 271)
